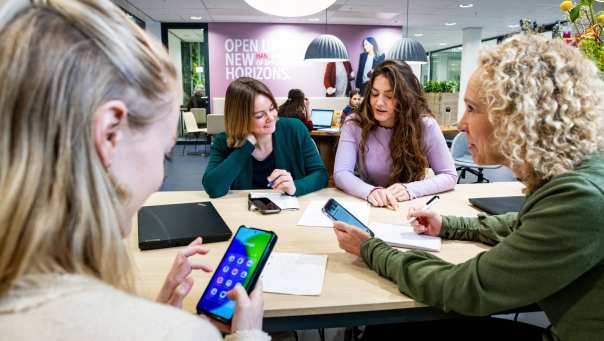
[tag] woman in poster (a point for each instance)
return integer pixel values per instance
(368, 60)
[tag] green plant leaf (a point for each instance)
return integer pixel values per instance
(574, 13)
(587, 2)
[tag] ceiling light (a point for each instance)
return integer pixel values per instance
(314, 19)
(406, 49)
(450, 23)
(282, 8)
(196, 18)
(326, 48)
(442, 44)
(419, 34)
(514, 26)
(466, 5)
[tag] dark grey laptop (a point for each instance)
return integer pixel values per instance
(498, 205)
(179, 224)
(321, 118)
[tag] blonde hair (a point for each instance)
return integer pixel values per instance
(239, 108)
(59, 61)
(545, 101)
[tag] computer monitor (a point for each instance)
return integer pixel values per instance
(321, 118)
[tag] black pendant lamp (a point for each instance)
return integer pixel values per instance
(408, 49)
(326, 48)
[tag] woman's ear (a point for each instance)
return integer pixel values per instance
(107, 129)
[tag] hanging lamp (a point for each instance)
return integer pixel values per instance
(408, 49)
(326, 48)
(290, 8)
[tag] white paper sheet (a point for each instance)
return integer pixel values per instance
(313, 216)
(284, 201)
(404, 236)
(294, 273)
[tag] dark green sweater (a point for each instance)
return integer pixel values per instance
(550, 253)
(293, 149)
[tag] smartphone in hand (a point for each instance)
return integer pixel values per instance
(336, 212)
(242, 263)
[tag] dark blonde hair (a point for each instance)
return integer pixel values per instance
(239, 108)
(409, 161)
(61, 210)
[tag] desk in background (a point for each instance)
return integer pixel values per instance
(352, 293)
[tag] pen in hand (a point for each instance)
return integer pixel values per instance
(270, 183)
(427, 206)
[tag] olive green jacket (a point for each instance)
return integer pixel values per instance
(550, 253)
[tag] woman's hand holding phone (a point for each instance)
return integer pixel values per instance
(178, 283)
(350, 237)
(249, 310)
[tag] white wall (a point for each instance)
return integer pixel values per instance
(174, 50)
(153, 28)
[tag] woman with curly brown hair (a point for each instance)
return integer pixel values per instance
(392, 141)
(537, 106)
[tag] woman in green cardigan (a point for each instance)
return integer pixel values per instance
(537, 106)
(259, 149)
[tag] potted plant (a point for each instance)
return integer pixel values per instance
(442, 100)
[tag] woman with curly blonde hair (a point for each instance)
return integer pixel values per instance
(537, 106)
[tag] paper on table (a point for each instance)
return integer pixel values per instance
(284, 201)
(404, 236)
(313, 216)
(294, 273)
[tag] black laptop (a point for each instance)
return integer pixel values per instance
(179, 224)
(498, 205)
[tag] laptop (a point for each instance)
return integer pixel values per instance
(321, 118)
(498, 205)
(179, 224)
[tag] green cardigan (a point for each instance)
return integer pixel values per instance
(550, 253)
(293, 149)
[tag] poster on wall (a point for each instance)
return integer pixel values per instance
(274, 54)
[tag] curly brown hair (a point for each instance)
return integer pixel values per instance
(408, 160)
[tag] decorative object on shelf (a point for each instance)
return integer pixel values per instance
(442, 97)
(326, 48)
(588, 29)
(408, 49)
(290, 8)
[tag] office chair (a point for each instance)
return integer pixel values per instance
(192, 128)
(463, 160)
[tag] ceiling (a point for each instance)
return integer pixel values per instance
(427, 17)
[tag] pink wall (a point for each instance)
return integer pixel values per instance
(274, 53)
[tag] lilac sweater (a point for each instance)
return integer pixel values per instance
(378, 161)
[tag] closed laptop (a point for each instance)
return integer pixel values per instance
(498, 205)
(179, 224)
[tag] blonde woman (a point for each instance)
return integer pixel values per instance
(259, 149)
(76, 162)
(537, 106)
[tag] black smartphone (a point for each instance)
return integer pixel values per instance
(265, 205)
(337, 212)
(242, 263)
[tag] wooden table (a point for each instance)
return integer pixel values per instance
(327, 143)
(352, 293)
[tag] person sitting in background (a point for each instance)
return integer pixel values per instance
(259, 149)
(354, 104)
(296, 106)
(535, 105)
(198, 100)
(76, 164)
(395, 125)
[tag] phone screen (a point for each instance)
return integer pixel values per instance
(265, 204)
(337, 212)
(242, 263)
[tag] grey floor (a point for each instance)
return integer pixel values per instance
(184, 173)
